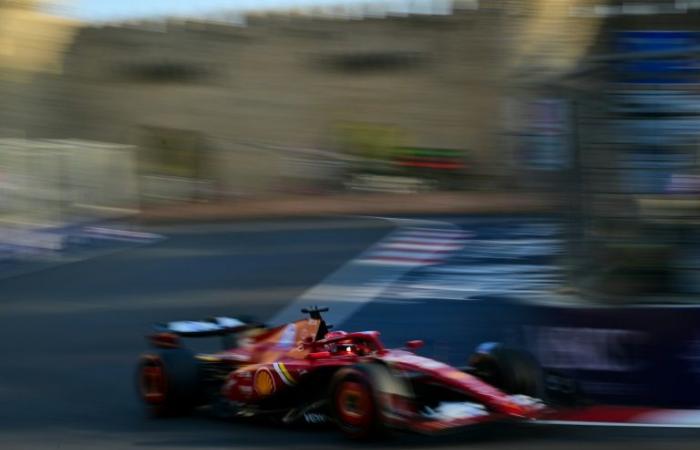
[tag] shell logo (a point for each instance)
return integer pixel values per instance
(264, 383)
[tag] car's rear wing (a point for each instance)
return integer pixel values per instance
(170, 334)
(215, 326)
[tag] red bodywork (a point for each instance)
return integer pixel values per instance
(275, 360)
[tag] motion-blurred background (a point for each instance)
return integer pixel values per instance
(550, 148)
(109, 108)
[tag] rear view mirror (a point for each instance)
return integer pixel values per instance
(414, 344)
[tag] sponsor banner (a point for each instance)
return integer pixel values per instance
(680, 69)
(627, 355)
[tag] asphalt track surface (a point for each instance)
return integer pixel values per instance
(70, 335)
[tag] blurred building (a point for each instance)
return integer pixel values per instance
(631, 109)
(288, 102)
(595, 99)
(283, 84)
(32, 50)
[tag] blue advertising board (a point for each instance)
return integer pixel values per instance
(677, 69)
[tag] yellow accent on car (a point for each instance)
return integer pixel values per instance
(286, 373)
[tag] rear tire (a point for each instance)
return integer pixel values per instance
(510, 370)
(169, 382)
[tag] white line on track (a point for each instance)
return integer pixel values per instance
(615, 424)
(430, 247)
(416, 255)
(402, 239)
(366, 277)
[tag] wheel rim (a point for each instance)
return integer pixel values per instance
(354, 404)
(152, 381)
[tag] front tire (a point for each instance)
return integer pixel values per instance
(510, 370)
(169, 382)
(354, 405)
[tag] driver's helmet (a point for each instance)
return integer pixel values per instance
(349, 346)
(346, 346)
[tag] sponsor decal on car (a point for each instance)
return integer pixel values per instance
(264, 382)
(284, 374)
(287, 339)
(315, 418)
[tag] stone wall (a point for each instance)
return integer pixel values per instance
(293, 82)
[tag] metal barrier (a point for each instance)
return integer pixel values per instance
(57, 182)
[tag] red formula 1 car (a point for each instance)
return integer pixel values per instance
(302, 372)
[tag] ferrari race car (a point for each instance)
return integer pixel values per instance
(304, 372)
